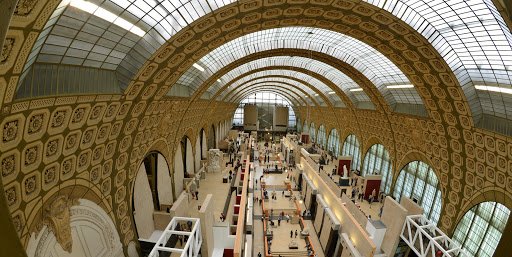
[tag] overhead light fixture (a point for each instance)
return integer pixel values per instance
(220, 81)
(356, 89)
(316, 94)
(494, 89)
(197, 66)
(95, 10)
(331, 93)
(400, 86)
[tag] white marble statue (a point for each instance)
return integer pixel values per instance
(214, 160)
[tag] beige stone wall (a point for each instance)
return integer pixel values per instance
(472, 164)
(98, 141)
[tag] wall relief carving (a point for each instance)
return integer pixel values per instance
(6, 49)
(24, 7)
(57, 217)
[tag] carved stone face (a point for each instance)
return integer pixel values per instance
(58, 218)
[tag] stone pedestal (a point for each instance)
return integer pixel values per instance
(214, 160)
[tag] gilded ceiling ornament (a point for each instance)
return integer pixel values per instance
(49, 175)
(30, 185)
(10, 131)
(35, 123)
(30, 155)
(24, 7)
(58, 119)
(67, 166)
(78, 115)
(6, 49)
(8, 165)
(10, 194)
(57, 216)
(52, 147)
(95, 174)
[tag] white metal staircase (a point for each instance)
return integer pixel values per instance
(426, 240)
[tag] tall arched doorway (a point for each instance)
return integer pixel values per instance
(152, 191)
(211, 138)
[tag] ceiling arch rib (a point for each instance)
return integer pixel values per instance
(327, 91)
(312, 77)
(286, 94)
(353, 73)
(300, 79)
(308, 66)
(370, 62)
(296, 92)
(278, 76)
(266, 79)
(291, 89)
(300, 85)
(471, 36)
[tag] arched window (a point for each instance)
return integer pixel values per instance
(480, 230)
(320, 139)
(150, 165)
(312, 132)
(351, 148)
(376, 161)
(299, 126)
(183, 144)
(418, 181)
(305, 127)
(333, 144)
(266, 101)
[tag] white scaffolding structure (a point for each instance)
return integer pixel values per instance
(166, 244)
(426, 240)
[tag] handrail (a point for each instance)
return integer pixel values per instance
(340, 211)
(237, 248)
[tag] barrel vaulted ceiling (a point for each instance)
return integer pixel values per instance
(121, 35)
(456, 57)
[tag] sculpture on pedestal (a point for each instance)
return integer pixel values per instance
(214, 160)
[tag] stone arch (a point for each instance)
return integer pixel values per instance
(90, 228)
(384, 168)
(179, 170)
(415, 48)
(142, 204)
(187, 155)
(197, 153)
(74, 189)
(485, 195)
(212, 137)
(204, 144)
(413, 155)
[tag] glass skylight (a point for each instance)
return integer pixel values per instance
(329, 72)
(334, 75)
(277, 75)
(247, 81)
(290, 93)
(375, 66)
(266, 100)
(470, 35)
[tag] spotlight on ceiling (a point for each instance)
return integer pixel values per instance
(494, 89)
(197, 66)
(356, 89)
(400, 86)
